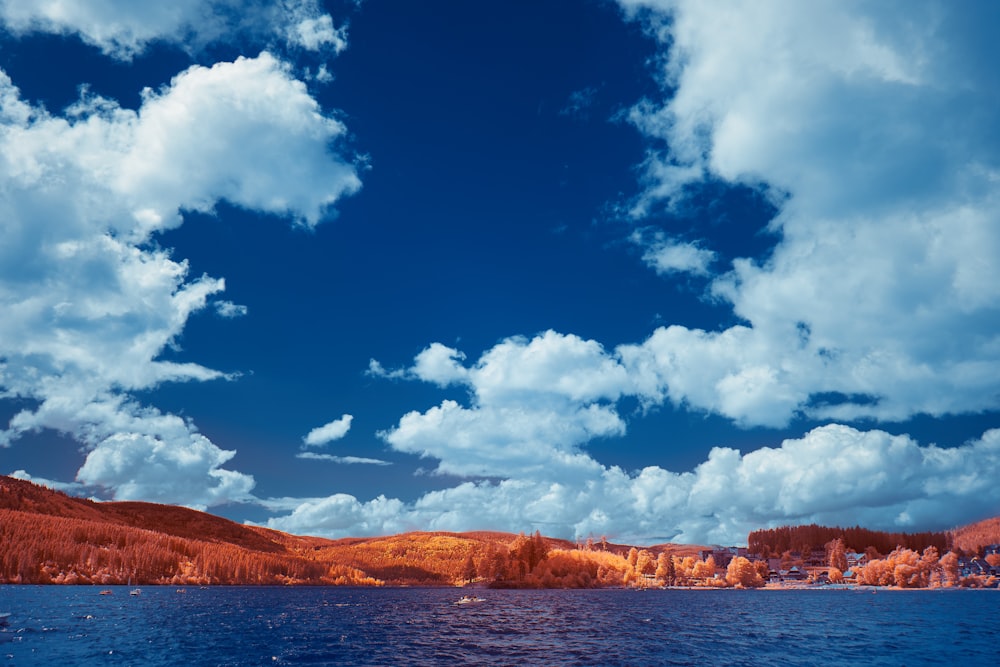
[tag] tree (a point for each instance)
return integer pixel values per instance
(949, 568)
(763, 569)
(704, 569)
(743, 574)
(665, 569)
(633, 557)
(683, 568)
(469, 568)
(645, 563)
(836, 554)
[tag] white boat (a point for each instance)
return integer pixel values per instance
(469, 599)
(135, 591)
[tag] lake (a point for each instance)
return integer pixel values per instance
(74, 625)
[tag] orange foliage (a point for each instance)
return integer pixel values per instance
(743, 574)
(575, 568)
(977, 535)
(905, 568)
(42, 550)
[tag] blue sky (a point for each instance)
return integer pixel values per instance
(652, 270)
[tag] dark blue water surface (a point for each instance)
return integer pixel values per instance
(68, 626)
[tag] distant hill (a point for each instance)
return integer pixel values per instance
(49, 537)
(970, 538)
(977, 535)
(775, 541)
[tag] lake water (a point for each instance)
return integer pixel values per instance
(71, 626)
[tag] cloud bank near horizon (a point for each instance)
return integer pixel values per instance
(834, 475)
(535, 404)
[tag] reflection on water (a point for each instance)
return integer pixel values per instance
(57, 625)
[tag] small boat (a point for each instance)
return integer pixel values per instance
(4, 619)
(135, 591)
(106, 591)
(469, 599)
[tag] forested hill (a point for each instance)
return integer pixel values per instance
(49, 537)
(16, 494)
(803, 539)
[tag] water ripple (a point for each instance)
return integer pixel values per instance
(422, 627)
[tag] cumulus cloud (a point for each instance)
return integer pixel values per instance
(533, 403)
(327, 433)
(230, 310)
(185, 467)
(834, 475)
(124, 28)
(342, 515)
(872, 128)
(668, 255)
(315, 32)
(89, 301)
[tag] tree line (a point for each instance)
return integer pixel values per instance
(771, 542)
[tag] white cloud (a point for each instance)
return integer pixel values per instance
(667, 256)
(125, 28)
(834, 475)
(88, 304)
(71, 488)
(249, 133)
(327, 433)
(872, 125)
(317, 32)
(533, 404)
(377, 370)
(230, 310)
(343, 515)
(186, 469)
(504, 441)
(346, 460)
(439, 364)
(550, 366)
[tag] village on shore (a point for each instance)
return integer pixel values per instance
(835, 567)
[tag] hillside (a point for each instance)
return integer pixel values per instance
(20, 495)
(804, 539)
(49, 537)
(977, 535)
